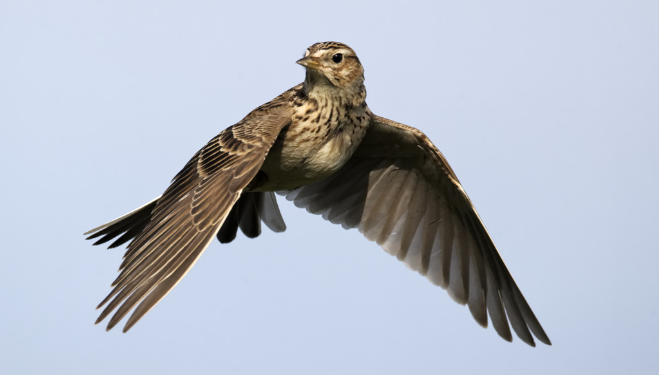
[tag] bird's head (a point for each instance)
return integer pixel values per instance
(332, 64)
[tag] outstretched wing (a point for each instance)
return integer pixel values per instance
(247, 214)
(400, 191)
(190, 212)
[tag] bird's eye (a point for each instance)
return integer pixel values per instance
(337, 58)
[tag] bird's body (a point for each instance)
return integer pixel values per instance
(321, 146)
(320, 139)
(328, 122)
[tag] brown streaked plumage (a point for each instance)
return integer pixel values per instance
(320, 146)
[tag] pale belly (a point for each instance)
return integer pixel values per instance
(300, 158)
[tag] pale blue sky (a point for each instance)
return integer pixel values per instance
(547, 111)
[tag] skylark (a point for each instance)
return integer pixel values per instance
(321, 146)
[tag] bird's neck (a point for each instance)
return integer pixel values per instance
(350, 96)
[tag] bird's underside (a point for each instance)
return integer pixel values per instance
(394, 186)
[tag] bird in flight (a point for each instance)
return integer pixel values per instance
(320, 146)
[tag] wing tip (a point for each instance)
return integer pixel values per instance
(128, 326)
(544, 339)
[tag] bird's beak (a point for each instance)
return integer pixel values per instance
(309, 62)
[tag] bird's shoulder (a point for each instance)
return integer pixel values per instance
(281, 106)
(249, 138)
(395, 140)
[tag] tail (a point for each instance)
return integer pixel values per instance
(246, 214)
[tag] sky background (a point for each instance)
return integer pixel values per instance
(547, 111)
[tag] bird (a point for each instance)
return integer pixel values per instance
(319, 145)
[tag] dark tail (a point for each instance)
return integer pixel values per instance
(248, 213)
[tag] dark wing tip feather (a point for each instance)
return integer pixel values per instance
(127, 226)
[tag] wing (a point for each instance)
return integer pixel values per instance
(190, 212)
(125, 227)
(399, 191)
(247, 214)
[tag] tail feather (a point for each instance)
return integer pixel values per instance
(248, 213)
